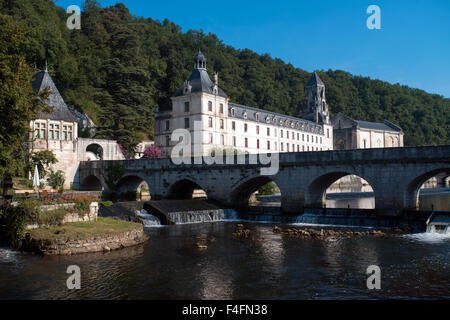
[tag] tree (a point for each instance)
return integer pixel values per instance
(56, 179)
(18, 103)
(43, 159)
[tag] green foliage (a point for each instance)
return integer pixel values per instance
(18, 104)
(56, 179)
(43, 159)
(118, 67)
(107, 203)
(49, 218)
(268, 189)
(16, 219)
(112, 175)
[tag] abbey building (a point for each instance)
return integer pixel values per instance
(226, 125)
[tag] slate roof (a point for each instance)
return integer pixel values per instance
(386, 125)
(200, 82)
(315, 80)
(42, 80)
(267, 117)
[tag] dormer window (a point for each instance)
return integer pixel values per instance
(232, 112)
(257, 116)
(245, 115)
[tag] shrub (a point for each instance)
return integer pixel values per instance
(107, 203)
(152, 152)
(16, 219)
(56, 179)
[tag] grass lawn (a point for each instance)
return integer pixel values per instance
(82, 230)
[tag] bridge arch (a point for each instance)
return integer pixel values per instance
(241, 194)
(92, 183)
(132, 186)
(316, 192)
(184, 189)
(414, 186)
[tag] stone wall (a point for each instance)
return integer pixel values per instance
(97, 244)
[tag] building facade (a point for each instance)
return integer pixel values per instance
(58, 132)
(201, 106)
(355, 134)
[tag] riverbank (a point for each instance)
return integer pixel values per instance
(85, 237)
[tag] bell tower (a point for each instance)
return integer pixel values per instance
(316, 107)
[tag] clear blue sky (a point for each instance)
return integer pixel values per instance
(412, 48)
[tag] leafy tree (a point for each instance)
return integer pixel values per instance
(18, 103)
(56, 179)
(43, 159)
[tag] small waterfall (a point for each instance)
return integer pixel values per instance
(439, 223)
(190, 217)
(148, 220)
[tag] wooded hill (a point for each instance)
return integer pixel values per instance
(118, 67)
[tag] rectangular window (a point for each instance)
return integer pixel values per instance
(268, 132)
(186, 106)
(303, 148)
(51, 131)
(317, 139)
(320, 140)
(211, 139)
(245, 127)
(298, 136)
(282, 147)
(287, 134)
(246, 142)
(210, 122)
(298, 148)
(221, 108)
(281, 133)
(167, 125)
(42, 130)
(186, 123)
(221, 123)
(328, 133)
(56, 131)
(67, 133)
(167, 141)
(308, 148)
(287, 146)
(293, 135)
(307, 138)
(303, 137)
(233, 125)
(209, 106)
(268, 145)
(234, 141)
(222, 140)
(257, 129)
(257, 144)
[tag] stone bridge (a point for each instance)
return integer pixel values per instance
(395, 175)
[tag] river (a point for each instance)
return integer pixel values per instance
(272, 266)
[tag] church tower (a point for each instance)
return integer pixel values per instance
(316, 108)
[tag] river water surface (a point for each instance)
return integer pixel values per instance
(270, 266)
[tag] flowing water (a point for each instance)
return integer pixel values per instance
(269, 266)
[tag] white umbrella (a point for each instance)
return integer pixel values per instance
(36, 181)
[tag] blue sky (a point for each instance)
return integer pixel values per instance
(412, 47)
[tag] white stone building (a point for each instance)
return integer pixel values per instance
(226, 125)
(58, 132)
